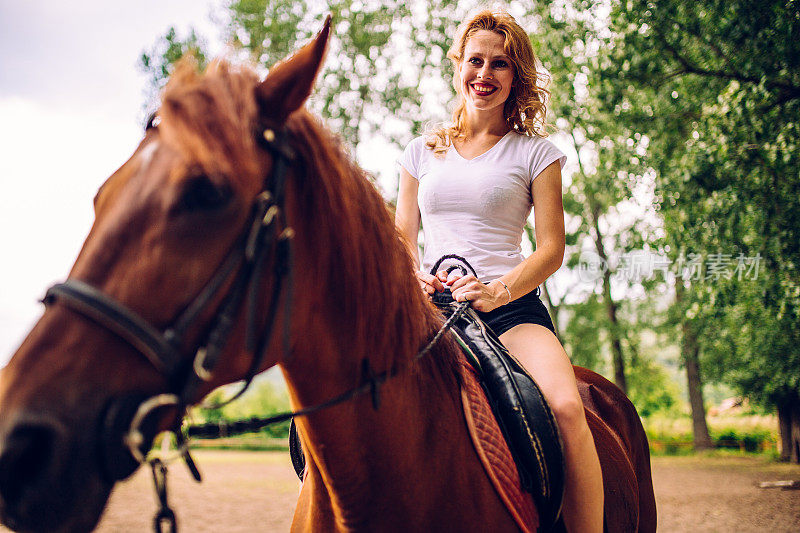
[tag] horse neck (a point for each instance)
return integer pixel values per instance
(357, 298)
(361, 303)
(362, 458)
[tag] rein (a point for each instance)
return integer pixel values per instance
(243, 271)
(370, 383)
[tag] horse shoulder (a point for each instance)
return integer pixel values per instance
(617, 428)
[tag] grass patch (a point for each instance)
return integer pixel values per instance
(250, 442)
(731, 435)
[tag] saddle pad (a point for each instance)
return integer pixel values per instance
(494, 453)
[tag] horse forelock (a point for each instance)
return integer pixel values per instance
(209, 118)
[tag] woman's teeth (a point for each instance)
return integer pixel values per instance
(483, 89)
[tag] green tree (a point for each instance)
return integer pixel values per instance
(716, 88)
(382, 76)
(604, 222)
(157, 62)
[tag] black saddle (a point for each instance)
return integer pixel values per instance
(521, 411)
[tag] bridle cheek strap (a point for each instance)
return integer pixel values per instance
(242, 272)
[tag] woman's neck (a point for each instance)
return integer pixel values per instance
(484, 123)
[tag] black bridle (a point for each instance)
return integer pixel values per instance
(242, 271)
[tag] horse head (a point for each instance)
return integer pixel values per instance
(181, 275)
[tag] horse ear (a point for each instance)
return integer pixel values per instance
(289, 83)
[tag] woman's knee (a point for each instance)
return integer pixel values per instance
(568, 412)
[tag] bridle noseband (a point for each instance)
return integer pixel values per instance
(242, 271)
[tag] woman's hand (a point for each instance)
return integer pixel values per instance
(481, 296)
(430, 283)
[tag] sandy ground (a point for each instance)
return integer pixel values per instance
(256, 491)
(240, 492)
(722, 495)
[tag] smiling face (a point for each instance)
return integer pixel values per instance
(485, 74)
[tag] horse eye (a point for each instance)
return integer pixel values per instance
(201, 194)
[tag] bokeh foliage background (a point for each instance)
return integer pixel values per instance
(682, 123)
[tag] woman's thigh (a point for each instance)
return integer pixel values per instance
(542, 355)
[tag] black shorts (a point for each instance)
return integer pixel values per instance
(527, 309)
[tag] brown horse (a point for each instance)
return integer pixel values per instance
(166, 222)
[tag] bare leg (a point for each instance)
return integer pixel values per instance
(542, 355)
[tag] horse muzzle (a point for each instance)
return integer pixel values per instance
(57, 476)
(41, 465)
(29, 460)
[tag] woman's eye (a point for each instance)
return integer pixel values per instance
(202, 194)
(475, 61)
(500, 64)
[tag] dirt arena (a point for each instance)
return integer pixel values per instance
(256, 491)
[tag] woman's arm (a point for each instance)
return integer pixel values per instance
(406, 219)
(548, 212)
(406, 215)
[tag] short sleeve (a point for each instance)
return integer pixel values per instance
(412, 157)
(543, 154)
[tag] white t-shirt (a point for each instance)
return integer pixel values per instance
(477, 208)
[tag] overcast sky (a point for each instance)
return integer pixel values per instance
(70, 106)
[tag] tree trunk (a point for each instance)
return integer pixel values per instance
(617, 356)
(785, 430)
(789, 424)
(702, 440)
(795, 438)
(690, 353)
(592, 214)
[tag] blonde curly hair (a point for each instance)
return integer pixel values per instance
(526, 107)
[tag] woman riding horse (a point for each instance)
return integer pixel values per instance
(240, 236)
(474, 184)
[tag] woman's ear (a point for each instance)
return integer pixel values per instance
(289, 82)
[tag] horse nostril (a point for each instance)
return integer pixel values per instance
(24, 459)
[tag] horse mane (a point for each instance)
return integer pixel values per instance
(367, 268)
(362, 266)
